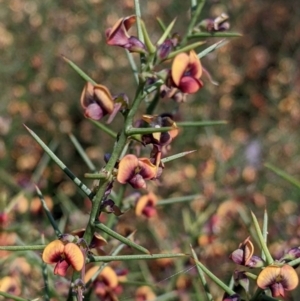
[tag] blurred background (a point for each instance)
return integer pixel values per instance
(258, 94)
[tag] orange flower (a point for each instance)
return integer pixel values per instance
(144, 293)
(186, 72)
(96, 101)
(118, 35)
(135, 171)
(64, 256)
(106, 285)
(146, 205)
(278, 279)
(10, 285)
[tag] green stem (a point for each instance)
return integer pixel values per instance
(262, 242)
(12, 297)
(201, 123)
(104, 128)
(134, 257)
(22, 248)
(46, 278)
(294, 262)
(202, 278)
(177, 200)
(138, 20)
(121, 238)
(139, 30)
(212, 48)
(214, 278)
(265, 232)
(133, 66)
(140, 131)
(64, 168)
(251, 275)
(82, 153)
(48, 213)
(195, 15)
(283, 175)
(79, 71)
(43, 163)
(214, 35)
(97, 176)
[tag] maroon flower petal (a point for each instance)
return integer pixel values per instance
(190, 84)
(277, 289)
(61, 268)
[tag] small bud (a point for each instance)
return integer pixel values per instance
(65, 238)
(165, 48)
(107, 157)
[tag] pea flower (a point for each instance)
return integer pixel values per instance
(244, 255)
(135, 171)
(164, 49)
(96, 101)
(64, 255)
(215, 25)
(106, 285)
(11, 285)
(144, 293)
(118, 35)
(291, 254)
(186, 72)
(278, 279)
(146, 205)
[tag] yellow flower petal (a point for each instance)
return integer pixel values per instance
(286, 275)
(74, 256)
(290, 277)
(127, 168)
(145, 293)
(53, 252)
(110, 277)
(149, 200)
(179, 66)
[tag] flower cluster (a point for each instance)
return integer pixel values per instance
(180, 77)
(278, 277)
(63, 255)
